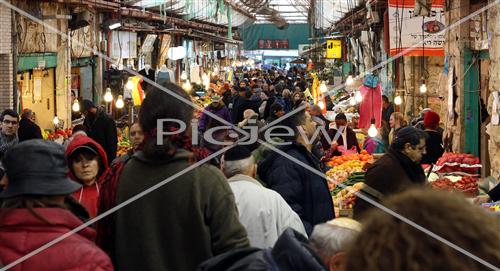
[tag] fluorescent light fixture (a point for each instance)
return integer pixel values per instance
(114, 25)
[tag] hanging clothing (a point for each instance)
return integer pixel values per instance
(147, 73)
(372, 99)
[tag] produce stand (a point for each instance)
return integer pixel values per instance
(455, 172)
(345, 177)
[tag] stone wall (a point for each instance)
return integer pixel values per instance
(6, 61)
(494, 85)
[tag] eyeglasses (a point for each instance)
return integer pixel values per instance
(13, 122)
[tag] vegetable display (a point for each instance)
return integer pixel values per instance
(467, 185)
(458, 162)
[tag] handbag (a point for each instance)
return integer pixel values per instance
(371, 80)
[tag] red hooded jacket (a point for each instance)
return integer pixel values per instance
(88, 196)
(21, 232)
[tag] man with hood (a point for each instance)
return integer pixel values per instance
(306, 192)
(88, 166)
(101, 128)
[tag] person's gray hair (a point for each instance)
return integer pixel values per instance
(328, 240)
(231, 168)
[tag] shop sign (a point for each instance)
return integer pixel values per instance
(407, 30)
(333, 49)
(273, 44)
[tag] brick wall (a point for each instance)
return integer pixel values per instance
(6, 73)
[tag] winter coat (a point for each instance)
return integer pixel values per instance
(240, 105)
(305, 192)
(88, 196)
(21, 232)
(207, 122)
(180, 224)
(28, 130)
(102, 129)
(393, 173)
(263, 212)
(291, 253)
(433, 147)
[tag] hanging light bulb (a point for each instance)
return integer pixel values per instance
(358, 96)
(130, 84)
(186, 86)
(119, 102)
(372, 131)
(323, 87)
(352, 101)
(349, 81)
(398, 100)
(55, 121)
(321, 105)
(423, 88)
(108, 97)
(76, 106)
(184, 76)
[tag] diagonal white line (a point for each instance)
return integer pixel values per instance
(453, 25)
(116, 208)
(287, 115)
(383, 208)
(151, 82)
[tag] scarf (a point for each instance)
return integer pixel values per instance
(6, 142)
(413, 170)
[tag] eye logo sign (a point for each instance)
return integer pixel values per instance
(433, 27)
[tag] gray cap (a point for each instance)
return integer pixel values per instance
(37, 167)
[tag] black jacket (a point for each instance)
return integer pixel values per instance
(434, 147)
(290, 252)
(239, 106)
(28, 130)
(306, 192)
(102, 129)
(393, 173)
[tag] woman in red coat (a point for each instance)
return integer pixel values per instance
(88, 165)
(34, 212)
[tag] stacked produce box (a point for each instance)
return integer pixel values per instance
(345, 178)
(456, 172)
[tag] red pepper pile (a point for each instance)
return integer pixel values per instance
(467, 185)
(458, 162)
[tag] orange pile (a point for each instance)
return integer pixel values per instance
(364, 156)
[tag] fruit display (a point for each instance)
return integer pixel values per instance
(124, 145)
(463, 184)
(346, 197)
(458, 162)
(59, 133)
(493, 206)
(364, 156)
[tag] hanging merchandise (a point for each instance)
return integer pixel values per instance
(370, 107)
(149, 73)
(194, 74)
(137, 92)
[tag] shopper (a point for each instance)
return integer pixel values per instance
(100, 128)
(262, 211)
(34, 213)
(434, 142)
(298, 98)
(387, 243)
(76, 131)
(88, 166)
(396, 123)
(291, 252)
(276, 112)
(28, 129)
(331, 240)
(398, 170)
(136, 136)
(218, 108)
(184, 222)
(305, 191)
(8, 134)
(387, 109)
(243, 103)
(316, 112)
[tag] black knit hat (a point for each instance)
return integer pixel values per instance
(37, 167)
(237, 153)
(87, 105)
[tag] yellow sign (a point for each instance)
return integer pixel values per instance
(333, 49)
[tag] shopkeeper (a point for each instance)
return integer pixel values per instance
(348, 136)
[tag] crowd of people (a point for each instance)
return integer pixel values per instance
(252, 209)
